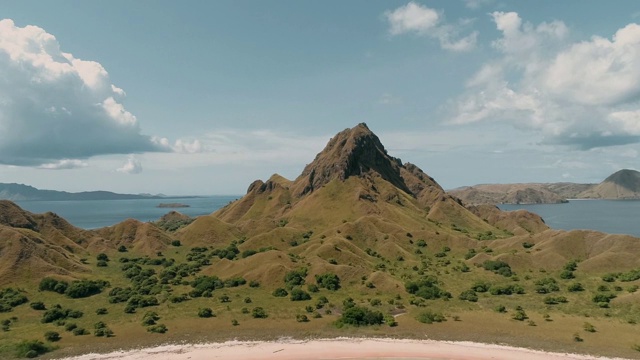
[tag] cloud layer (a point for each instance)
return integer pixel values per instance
(583, 94)
(416, 19)
(55, 108)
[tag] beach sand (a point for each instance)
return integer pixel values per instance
(341, 348)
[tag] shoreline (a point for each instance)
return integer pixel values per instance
(337, 348)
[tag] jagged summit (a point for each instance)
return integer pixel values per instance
(352, 152)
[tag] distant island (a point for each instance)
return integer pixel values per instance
(21, 192)
(173, 205)
(621, 185)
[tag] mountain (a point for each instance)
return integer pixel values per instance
(358, 238)
(623, 184)
(526, 193)
(20, 192)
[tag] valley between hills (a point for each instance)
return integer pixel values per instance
(360, 244)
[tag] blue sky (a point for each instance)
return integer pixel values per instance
(204, 97)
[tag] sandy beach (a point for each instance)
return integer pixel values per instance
(341, 348)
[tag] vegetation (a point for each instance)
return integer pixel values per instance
(360, 316)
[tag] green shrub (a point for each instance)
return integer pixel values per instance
(498, 267)
(428, 317)
(360, 316)
(575, 287)
(158, 329)
(101, 311)
(52, 336)
(500, 309)
(150, 318)
(280, 292)
(426, 288)
(38, 305)
(589, 327)
(328, 281)
(546, 285)
(80, 332)
(32, 348)
(10, 298)
(254, 284)
(205, 313)
(176, 243)
(302, 318)
(299, 295)
(259, 313)
(468, 295)
(102, 257)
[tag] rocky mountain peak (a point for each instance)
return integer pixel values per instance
(352, 152)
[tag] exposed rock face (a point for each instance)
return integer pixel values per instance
(352, 152)
(623, 184)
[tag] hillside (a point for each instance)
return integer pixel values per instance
(623, 185)
(359, 244)
(525, 193)
(20, 192)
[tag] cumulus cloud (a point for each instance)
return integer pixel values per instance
(64, 164)
(55, 107)
(583, 94)
(416, 19)
(132, 166)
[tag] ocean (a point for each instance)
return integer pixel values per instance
(92, 214)
(609, 216)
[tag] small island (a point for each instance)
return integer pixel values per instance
(173, 205)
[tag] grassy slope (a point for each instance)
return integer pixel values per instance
(343, 229)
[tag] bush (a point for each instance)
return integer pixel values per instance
(520, 315)
(280, 292)
(234, 322)
(122, 248)
(553, 300)
(102, 311)
(299, 295)
(428, 317)
(566, 275)
(468, 295)
(426, 288)
(546, 285)
(150, 318)
(38, 305)
(52, 336)
(85, 288)
(101, 263)
(259, 313)
(302, 318)
(500, 309)
(32, 348)
(328, 281)
(80, 332)
(158, 329)
(176, 243)
(205, 313)
(10, 298)
(589, 327)
(254, 284)
(101, 330)
(102, 257)
(360, 316)
(575, 287)
(70, 326)
(295, 277)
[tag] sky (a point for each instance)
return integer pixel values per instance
(202, 98)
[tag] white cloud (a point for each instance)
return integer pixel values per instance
(64, 164)
(55, 107)
(584, 94)
(132, 166)
(476, 4)
(414, 18)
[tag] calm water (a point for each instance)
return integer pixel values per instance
(91, 214)
(610, 216)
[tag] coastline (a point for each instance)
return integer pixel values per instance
(337, 348)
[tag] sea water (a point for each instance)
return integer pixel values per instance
(91, 214)
(609, 216)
